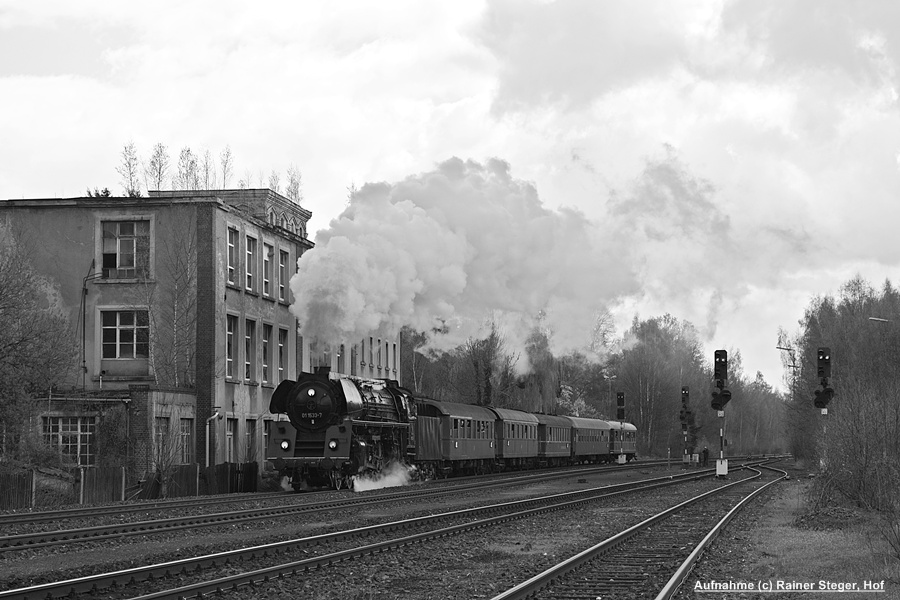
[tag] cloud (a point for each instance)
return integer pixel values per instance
(457, 246)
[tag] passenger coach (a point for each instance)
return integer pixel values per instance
(554, 440)
(454, 437)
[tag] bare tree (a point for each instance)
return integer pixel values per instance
(168, 449)
(128, 169)
(156, 170)
(294, 191)
(187, 177)
(247, 181)
(171, 303)
(207, 171)
(274, 181)
(36, 339)
(227, 162)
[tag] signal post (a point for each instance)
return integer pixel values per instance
(720, 397)
(685, 417)
(824, 393)
(620, 415)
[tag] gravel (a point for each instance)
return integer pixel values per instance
(477, 564)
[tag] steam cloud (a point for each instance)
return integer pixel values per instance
(394, 475)
(456, 248)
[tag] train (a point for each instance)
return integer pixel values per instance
(339, 428)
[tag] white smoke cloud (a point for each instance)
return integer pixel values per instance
(459, 246)
(394, 475)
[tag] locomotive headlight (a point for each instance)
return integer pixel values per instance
(332, 444)
(285, 444)
(310, 392)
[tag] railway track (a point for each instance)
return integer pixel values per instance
(298, 504)
(650, 559)
(111, 510)
(87, 512)
(330, 548)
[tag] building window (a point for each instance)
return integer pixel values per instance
(300, 352)
(371, 350)
(282, 352)
(251, 440)
(126, 333)
(186, 441)
(268, 253)
(379, 353)
(251, 261)
(353, 359)
(232, 255)
(249, 350)
(314, 356)
(73, 437)
(340, 359)
(266, 353)
(230, 435)
(165, 446)
(230, 347)
(126, 249)
(283, 259)
(394, 356)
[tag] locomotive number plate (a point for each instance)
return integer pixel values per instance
(310, 415)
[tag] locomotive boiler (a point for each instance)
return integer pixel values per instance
(339, 428)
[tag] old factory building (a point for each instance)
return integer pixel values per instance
(180, 306)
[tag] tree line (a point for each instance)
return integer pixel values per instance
(650, 364)
(194, 171)
(858, 442)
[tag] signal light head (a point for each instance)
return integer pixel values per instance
(720, 398)
(720, 365)
(824, 395)
(823, 362)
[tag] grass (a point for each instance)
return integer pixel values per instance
(838, 545)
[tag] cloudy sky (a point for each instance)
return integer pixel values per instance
(722, 161)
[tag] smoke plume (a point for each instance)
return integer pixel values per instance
(453, 249)
(394, 475)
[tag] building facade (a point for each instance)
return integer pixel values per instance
(181, 301)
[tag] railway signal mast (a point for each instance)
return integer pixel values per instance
(720, 397)
(620, 415)
(824, 392)
(684, 417)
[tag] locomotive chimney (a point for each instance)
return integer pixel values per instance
(322, 371)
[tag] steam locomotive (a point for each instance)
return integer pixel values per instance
(340, 428)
